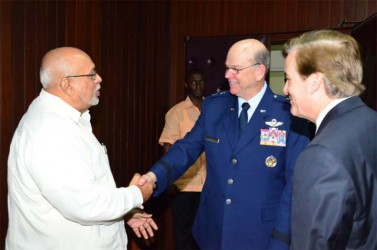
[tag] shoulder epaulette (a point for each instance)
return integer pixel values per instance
(219, 94)
(281, 98)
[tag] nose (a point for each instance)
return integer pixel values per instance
(228, 74)
(285, 89)
(98, 78)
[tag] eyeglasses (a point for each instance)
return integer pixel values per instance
(91, 76)
(237, 71)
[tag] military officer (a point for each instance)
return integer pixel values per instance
(245, 202)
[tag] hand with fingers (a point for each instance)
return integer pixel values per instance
(146, 188)
(141, 223)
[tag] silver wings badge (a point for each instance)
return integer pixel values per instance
(274, 123)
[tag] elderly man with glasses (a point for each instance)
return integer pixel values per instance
(251, 143)
(62, 194)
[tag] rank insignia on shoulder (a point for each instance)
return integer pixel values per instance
(219, 93)
(274, 123)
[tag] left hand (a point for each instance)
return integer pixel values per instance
(142, 223)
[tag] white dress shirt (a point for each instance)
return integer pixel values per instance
(61, 192)
(326, 110)
(253, 102)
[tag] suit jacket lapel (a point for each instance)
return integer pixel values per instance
(346, 105)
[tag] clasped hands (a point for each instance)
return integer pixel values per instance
(145, 183)
(140, 222)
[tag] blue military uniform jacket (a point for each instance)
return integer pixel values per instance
(247, 194)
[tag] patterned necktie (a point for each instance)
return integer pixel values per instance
(242, 120)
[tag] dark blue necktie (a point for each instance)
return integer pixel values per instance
(242, 120)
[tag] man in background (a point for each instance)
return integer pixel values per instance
(251, 143)
(179, 120)
(334, 202)
(61, 192)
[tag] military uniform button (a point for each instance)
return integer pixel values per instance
(228, 201)
(234, 161)
(230, 181)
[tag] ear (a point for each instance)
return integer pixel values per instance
(315, 81)
(260, 72)
(66, 86)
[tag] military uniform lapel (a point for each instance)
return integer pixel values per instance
(257, 122)
(230, 123)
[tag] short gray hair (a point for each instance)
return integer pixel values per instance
(45, 77)
(47, 71)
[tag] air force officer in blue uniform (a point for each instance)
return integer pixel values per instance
(245, 202)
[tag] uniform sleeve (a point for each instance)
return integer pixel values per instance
(180, 156)
(297, 140)
(323, 201)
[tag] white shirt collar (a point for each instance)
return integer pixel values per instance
(61, 107)
(326, 110)
(254, 102)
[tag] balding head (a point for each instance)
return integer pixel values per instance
(253, 50)
(247, 64)
(58, 63)
(70, 74)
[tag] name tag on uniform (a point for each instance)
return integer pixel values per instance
(212, 139)
(273, 137)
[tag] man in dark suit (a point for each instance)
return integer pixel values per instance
(334, 204)
(245, 202)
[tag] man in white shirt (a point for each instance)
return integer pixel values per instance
(62, 194)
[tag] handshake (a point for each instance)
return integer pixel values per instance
(146, 183)
(142, 223)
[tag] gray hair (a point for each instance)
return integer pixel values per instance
(45, 77)
(47, 71)
(263, 57)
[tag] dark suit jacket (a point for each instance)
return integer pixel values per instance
(246, 195)
(334, 202)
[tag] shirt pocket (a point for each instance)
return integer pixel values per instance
(100, 163)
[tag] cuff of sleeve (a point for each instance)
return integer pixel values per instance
(137, 197)
(279, 240)
(162, 141)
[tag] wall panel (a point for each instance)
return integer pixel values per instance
(254, 17)
(6, 128)
(138, 49)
